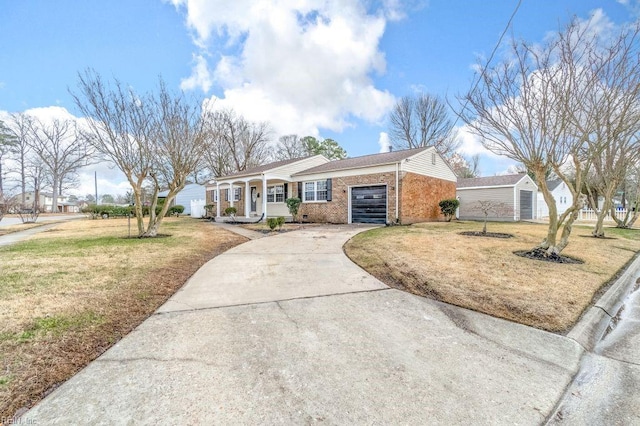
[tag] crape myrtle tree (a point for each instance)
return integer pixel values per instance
(155, 139)
(422, 120)
(614, 106)
(529, 108)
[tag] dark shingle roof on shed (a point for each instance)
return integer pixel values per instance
(364, 161)
(505, 180)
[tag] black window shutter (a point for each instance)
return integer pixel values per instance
(226, 195)
(329, 189)
(300, 190)
(286, 191)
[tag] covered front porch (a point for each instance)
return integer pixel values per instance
(254, 197)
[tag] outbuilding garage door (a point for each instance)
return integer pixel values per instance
(526, 205)
(369, 204)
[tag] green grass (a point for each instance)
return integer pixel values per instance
(54, 325)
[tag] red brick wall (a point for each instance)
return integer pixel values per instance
(337, 210)
(420, 196)
(239, 205)
(418, 202)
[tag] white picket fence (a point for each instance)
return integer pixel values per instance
(590, 214)
(197, 208)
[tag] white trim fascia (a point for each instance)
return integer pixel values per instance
(303, 173)
(486, 187)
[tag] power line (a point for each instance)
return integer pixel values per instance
(495, 49)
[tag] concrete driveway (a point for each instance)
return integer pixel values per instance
(286, 330)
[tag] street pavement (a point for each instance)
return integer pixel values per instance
(286, 330)
(606, 390)
(13, 220)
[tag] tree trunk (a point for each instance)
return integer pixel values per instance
(484, 226)
(598, 230)
(54, 193)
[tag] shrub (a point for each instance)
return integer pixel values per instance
(293, 204)
(280, 222)
(272, 222)
(448, 208)
(230, 211)
(176, 210)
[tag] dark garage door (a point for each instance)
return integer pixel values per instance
(526, 205)
(369, 204)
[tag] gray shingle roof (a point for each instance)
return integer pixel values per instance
(504, 180)
(363, 161)
(553, 184)
(263, 168)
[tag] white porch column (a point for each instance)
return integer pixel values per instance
(247, 200)
(231, 195)
(217, 198)
(264, 196)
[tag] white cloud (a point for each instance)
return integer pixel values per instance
(200, 77)
(384, 142)
(302, 65)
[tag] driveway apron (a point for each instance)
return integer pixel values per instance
(287, 330)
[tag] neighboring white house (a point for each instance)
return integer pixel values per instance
(515, 195)
(45, 202)
(562, 195)
(192, 191)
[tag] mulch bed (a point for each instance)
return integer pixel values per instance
(541, 254)
(486, 234)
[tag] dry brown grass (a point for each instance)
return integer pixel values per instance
(69, 293)
(483, 274)
(19, 227)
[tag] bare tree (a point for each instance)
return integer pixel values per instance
(119, 127)
(180, 136)
(289, 147)
(614, 105)
(422, 121)
(20, 124)
(60, 149)
(155, 140)
(465, 168)
(632, 193)
(8, 142)
(8, 204)
(486, 207)
(234, 144)
(530, 109)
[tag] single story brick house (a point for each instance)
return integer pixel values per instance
(514, 195)
(404, 185)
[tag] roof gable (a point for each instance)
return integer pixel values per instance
(364, 161)
(265, 167)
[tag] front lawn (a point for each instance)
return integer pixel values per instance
(483, 274)
(69, 293)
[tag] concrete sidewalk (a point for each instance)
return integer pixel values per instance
(285, 329)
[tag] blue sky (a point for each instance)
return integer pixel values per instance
(329, 68)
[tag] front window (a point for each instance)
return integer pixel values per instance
(237, 192)
(275, 194)
(315, 191)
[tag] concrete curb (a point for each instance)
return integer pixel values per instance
(592, 326)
